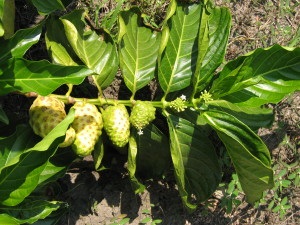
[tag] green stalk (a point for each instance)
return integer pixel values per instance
(103, 101)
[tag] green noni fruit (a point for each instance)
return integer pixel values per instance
(88, 127)
(116, 124)
(46, 113)
(142, 114)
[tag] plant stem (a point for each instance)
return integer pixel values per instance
(70, 88)
(103, 101)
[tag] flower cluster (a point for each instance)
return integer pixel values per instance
(179, 104)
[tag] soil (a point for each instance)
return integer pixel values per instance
(104, 197)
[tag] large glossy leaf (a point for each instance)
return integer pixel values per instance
(179, 49)
(195, 161)
(153, 149)
(57, 43)
(28, 212)
(138, 51)
(19, 43)
(19, 179)
(213, 36)
(48, 6)
(262, 76)
(253, 117)
(41, 77)
(249, 154)
(99, 53)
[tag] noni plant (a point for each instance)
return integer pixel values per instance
(198, 97)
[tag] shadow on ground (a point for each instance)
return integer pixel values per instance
(106, 196)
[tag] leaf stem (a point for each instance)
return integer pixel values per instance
(70, 88)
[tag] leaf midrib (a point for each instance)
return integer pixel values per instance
(177, 56)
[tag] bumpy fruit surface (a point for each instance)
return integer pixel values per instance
(46, 113)
(116, 124)
(142, 114)
(88, 127)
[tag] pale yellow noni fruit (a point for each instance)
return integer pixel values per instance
(46, 113)
(88, 127)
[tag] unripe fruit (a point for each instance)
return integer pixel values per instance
(88, 127)
(116, 124)
(69, 139)
(46, 113)
(142, 114)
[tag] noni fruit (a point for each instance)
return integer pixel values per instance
(116, 124)
(46, 113)
(88, 127)
(142, 114)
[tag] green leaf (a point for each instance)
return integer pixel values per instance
(47, 6)
(19, 43)
(3, 117)
(213, 36)
(7, 18)
(153, 149)
(195, 161)
(57, 43)
(254, 117)
(260, 77)
(98, 53)
(1, 16)
(98, 153)
(57, 166)
(138, 51)
(41, 77)
(131, 165)
(249, 154)
(110, 20)
(19, 179)
(12, 147)
(29, 211)
(177, 60)
(170, 11)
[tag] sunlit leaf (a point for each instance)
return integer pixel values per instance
(260, 77)
(254, 117)
(57, 43)
(249, 154)
(138, 51)
(41, 77)
(97, 52)
(20, 177)
(17, 45)
(213, 36)
(178, 58)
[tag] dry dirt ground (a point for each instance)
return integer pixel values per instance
(99, 198)
(106, 197)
